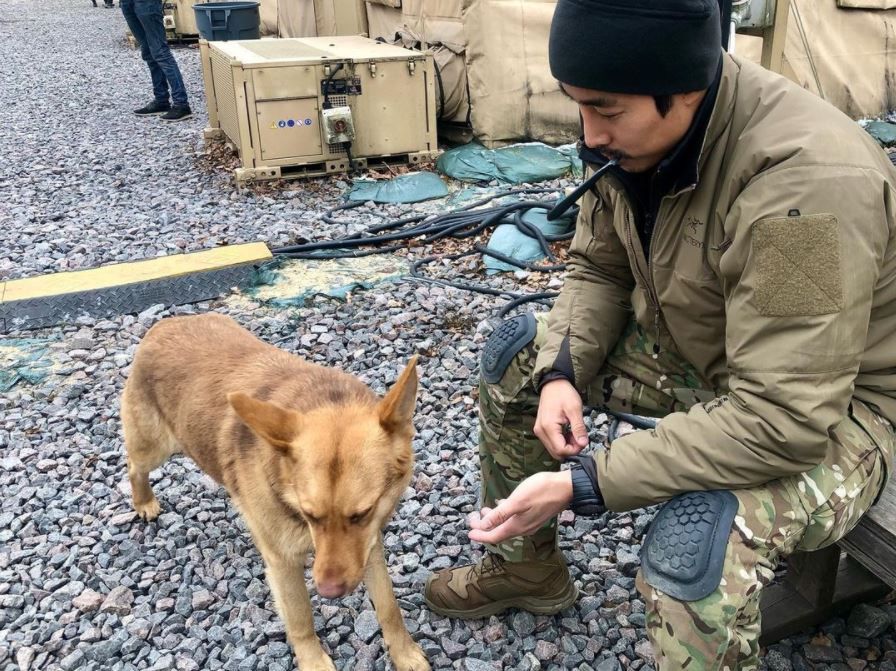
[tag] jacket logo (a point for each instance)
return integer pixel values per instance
(692, 225)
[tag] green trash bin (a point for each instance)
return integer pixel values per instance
(219, 21)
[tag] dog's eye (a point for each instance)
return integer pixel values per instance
(358, 518)
(311, 518)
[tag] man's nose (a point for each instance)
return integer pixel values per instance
(595, 133)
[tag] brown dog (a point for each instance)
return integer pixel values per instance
(310, 456)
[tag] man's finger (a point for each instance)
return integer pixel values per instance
(502, 532)
(474, 519)
(557, 441)
(579, 433)
(494, 518)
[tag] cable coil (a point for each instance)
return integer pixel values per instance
(465, 222)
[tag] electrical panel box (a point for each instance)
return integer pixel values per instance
(300, 107)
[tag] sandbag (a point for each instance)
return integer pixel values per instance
(412, 187)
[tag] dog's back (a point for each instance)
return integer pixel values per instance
(185, 367)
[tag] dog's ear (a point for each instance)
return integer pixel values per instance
(396, 410)
(278, 426)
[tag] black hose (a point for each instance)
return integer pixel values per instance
(637, 421)
(351, 160)
(465, 222)
(327, 86)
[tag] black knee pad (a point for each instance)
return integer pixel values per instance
(684, 552)
(504, 343)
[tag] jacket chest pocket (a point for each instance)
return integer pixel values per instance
(604, 225)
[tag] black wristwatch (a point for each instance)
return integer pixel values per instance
(586, 496)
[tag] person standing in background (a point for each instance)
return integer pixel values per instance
(144, 18)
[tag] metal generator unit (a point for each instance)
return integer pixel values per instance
(301, 107)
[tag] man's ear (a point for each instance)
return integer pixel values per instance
(278, 426)
(691, 99)
(396, 410)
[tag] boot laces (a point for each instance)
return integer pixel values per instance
(492, 563)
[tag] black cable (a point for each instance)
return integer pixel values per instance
(638, 421)
(516, 299)
(327, 83)
(465, 222)
(439, 82)
(348, 153)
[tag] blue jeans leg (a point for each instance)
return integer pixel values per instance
(149, 13)
(159, 82)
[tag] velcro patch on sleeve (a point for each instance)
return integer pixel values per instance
(798, 265)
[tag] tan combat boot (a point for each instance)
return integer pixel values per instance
(494, 585)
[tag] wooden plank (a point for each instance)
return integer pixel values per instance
(130, 273)
(774, 38)
(786, 612)
(884, 511)
(813, 575)
(872, 542)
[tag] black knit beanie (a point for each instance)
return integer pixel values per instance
(647, 47)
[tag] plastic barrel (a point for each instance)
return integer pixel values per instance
(228, 20)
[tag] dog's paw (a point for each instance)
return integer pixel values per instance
(314, 660)
(149, 510)
(409, 658)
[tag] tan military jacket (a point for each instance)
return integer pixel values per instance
(775, 276)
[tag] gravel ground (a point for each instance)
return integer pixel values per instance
(83, 585)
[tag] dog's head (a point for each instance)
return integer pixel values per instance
(342, 467)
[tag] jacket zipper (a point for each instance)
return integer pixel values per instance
(646, 280)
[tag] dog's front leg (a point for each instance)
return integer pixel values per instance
(287, 581)
(406, 654)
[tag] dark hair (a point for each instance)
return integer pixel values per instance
(663, 104)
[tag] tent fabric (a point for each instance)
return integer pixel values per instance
(267, 11)
(340, 17)
(514, 95)
(383, 21)
(492, 55)
(312, 18)
(849, 61)
(435, 25)
(297, 18)
(846, 56)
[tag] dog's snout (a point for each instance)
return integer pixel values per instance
(332, 589)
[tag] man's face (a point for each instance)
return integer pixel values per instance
(630, 127)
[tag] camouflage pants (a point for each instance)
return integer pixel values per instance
(804, 512)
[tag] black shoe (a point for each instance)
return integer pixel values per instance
(110, 4)
(178, 113)
(154, 107)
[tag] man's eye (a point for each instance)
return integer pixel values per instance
(607, 115)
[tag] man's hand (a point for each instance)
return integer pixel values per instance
(560, 425)
(535, 500)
